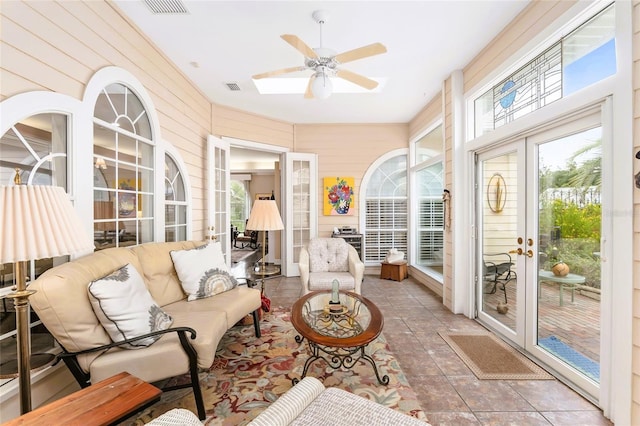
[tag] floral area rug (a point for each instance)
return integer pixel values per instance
(248, 374)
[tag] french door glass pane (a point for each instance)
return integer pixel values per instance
(569, 223)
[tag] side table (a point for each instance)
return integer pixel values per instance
(396, 271)
(104, 403)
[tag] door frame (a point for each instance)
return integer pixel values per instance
(577, 120)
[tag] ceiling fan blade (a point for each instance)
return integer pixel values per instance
(358, 79)
(299, 45)
(308, 94)
(278, 72)
(361, 52)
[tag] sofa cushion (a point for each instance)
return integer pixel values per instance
(158, 271)
(328, 255)
(203, 271)
(151, 365)
(234, 304)
(324, 280)
(62, 303)
(125, 307)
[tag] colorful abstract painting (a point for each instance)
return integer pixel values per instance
(338, 199)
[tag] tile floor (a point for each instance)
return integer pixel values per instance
(448, 391)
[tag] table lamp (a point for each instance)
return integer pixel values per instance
(264, 217)
(36, 222)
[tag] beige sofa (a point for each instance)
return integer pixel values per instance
(62, 303)
(323, 260)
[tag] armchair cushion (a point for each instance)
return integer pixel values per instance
(328, 255)
(125, 307)
(203, 271)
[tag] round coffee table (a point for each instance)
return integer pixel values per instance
(338, 335)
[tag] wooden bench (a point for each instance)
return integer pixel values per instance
(104, 403)
(569, 280)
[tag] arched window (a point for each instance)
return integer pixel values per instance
(36, 148)
(124, 175)
(385, 208)
(175, 202)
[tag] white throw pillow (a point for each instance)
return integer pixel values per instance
(202, 271)
(125, 307)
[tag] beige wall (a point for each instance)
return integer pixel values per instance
(347, 151)
(635, 413)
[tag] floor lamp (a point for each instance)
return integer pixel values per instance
(36, 222)
(264, 217)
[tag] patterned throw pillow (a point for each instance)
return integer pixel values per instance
(202, 271)
(125, 307)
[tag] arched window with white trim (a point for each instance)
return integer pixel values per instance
(124, 172)
(175, 202)
(385, 207)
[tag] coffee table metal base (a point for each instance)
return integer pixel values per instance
(338, 357)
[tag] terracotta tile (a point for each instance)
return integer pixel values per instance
(489, 395)
(551, 395)
(449, 362)
(452, 419)
(572, 418)
(527, 418)
(435, 393)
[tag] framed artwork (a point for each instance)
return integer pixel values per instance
(263, 196)
(338, 196)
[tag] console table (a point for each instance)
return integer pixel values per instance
(104, 403)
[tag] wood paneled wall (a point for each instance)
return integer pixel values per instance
(59, 46)
(347, 150)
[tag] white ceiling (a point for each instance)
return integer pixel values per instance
(233, 40)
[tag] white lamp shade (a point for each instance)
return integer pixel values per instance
(322, 87)
(264, 216)
(38, 222)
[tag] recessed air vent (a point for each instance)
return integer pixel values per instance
(233, 87)
(166, 6)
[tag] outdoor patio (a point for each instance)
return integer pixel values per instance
(576, 323)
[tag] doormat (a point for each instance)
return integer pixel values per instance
(584, 364)
(491, 359)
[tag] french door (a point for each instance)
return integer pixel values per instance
(218, 198)
(301, 206)
(538, 280)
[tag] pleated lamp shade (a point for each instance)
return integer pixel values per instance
(264, 216)
(38, 222)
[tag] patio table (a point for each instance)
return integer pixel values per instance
(569, 280)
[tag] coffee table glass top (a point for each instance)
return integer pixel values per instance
(346, 320)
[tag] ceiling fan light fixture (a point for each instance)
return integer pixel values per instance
(322, 87)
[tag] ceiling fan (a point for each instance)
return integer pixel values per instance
(325, 63)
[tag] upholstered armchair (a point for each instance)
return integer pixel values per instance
(324, 259)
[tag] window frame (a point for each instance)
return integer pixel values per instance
(363, 203)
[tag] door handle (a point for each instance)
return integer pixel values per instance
(529, 253)
(518, 251)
